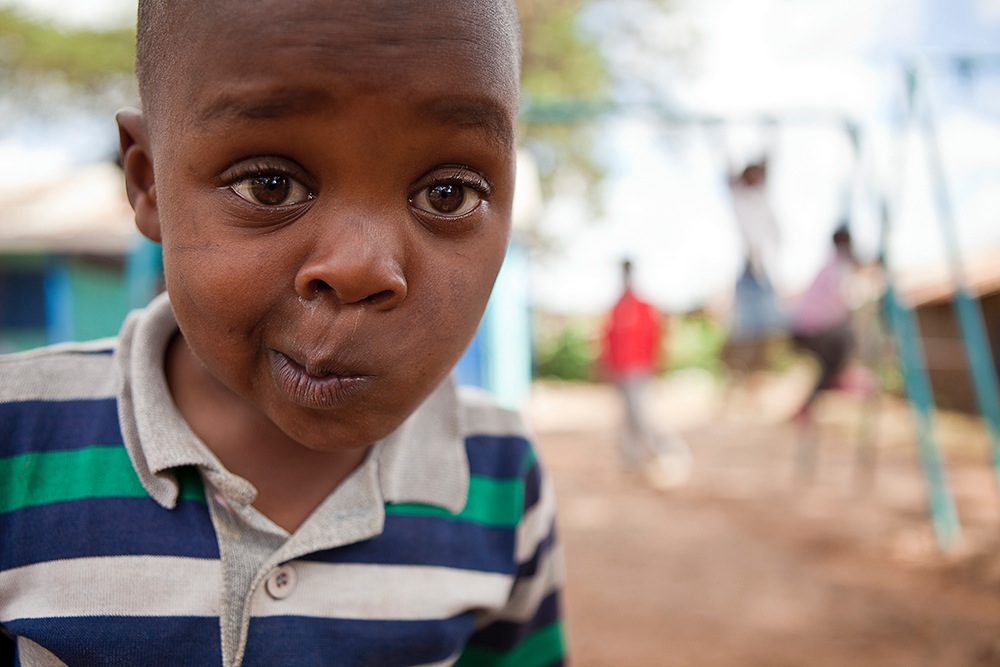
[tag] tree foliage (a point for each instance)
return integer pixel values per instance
(559, 62)
(563, 74)
(580, 57)
(82, 56)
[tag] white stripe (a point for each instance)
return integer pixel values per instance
(62, 372)
(529, 593)
(385, 592)
(31, 654)
(537, 522)
(116, 585)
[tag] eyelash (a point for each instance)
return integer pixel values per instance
(469, 178)
(460, 176)
(456, 175)
(261, 168)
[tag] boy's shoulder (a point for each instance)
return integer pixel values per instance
(482, 415)
(64, 371)
(498, 443)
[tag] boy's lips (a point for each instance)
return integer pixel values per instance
(313, 386)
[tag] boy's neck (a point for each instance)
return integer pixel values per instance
(291, 479)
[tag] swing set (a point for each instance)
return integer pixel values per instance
(898, 316)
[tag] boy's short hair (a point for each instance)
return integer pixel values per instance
(157, 21)
(152, 20)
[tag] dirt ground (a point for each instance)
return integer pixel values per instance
(751, 564)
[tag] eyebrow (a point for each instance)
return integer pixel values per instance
(228, 108)
(476, 113)
(483, 113)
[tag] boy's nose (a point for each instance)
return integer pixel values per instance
(354, 268)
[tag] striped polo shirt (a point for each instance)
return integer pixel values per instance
(123, 540)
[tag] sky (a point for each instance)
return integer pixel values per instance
(808, 63)
(84, 13)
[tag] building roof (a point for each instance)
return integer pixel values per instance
(936, 284)
(82, 211)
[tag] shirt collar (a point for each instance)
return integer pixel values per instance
(423, 461)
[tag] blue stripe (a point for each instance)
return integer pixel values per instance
(318, 642)
(424, 540)
(532, 486)
(504, 636)
(105, 527)
(497, 456)
(132, 640)
(530, 567)
(45, 426)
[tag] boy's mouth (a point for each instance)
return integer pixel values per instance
(313, 386)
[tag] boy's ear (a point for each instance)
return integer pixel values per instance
(137, 161)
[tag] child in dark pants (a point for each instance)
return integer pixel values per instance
(821, 323)
(271, 465)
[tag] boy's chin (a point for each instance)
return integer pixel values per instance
(323, 437)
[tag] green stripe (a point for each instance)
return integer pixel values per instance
(542, 647)
(494, 502)
(100, 471)
(190, 484)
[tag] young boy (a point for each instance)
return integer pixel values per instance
(630, 351)
(273, 467)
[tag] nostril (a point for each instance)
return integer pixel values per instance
(318, 287)
(378, 297)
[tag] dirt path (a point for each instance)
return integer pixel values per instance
(747, 566)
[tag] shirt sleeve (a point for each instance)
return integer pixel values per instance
(528, 631)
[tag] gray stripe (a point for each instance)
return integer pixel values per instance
(529, 593)
(116, 585)
(537, 523)
(31, 654)
(385, 592)
(62, 373)
(482, 415)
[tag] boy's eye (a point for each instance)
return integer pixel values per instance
(452, 198)
(449, 198)
(273, 189)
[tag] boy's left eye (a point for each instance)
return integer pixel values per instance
(272, 189)
(451, 199)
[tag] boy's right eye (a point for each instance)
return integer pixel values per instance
(268, 182)
(271, 189)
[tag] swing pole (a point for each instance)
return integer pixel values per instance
(967, 310)
(905, 331)
(944, 516)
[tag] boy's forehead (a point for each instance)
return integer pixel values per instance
(470, 46)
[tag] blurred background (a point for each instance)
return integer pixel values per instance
(638, 118)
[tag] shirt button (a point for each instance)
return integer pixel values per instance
(281, 582)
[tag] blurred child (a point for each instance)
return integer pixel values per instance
(757, 318)
(821, 321)
(630, 351)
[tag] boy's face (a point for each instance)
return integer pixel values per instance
(332, 191)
